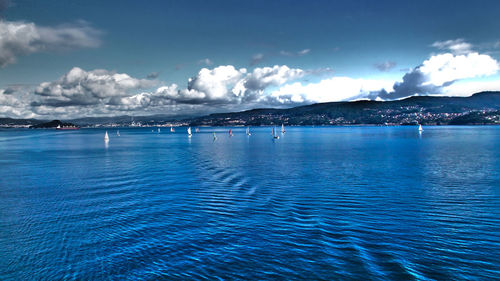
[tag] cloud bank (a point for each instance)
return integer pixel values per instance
(102, 92)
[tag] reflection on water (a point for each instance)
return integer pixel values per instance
(319, 203)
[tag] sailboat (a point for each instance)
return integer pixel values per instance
(275, 136)
(158, 130)
(172, 129)
(215, 137)
(230, 133)
(248, 131)
(106, 137)
(117, 132)
(283, 128)
(189, 132)
(420, 129)
(197, 130)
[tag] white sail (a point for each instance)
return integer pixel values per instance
(248, 131)
(215, 137)
(158, 130)
(118, 133)
(420, 129)
(106, 137)
(172, 129)
(189, 131)
(275, 135)
(282, 128)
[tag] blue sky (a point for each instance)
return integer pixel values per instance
(175, 40)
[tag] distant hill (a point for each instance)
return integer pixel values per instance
(11, 122)
(52, 124)
(480, 108)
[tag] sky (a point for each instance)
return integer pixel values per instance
(83, 58)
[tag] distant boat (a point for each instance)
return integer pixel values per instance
(215, 137)
(197, 130)
(275, 136)
(172, 129)
(283, 128)
(230, 133)
(67, 127)
(248, 131)
(420, 129)
(158, 130)
(106, 137)
(189, 132)
(118, 133)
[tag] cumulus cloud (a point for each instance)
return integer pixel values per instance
(102, 92)
(457, 46)
(13, 103)
(22, 38)
(441, 71)
(221, 85)
(385, 66)
(80, 87)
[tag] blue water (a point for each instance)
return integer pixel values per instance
(324, 203)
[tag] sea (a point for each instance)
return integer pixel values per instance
(319, 203)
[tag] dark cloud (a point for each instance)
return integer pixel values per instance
(414, 83)
(23, 38)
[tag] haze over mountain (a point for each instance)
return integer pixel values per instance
(79, 59)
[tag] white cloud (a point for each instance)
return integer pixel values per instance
(467, 88)
(217, 83)
(328, 90)
(457, 46)
(22, 38)
(445, 68)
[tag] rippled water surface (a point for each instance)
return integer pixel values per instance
(339, 203)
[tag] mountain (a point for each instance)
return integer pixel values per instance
(480, 108)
